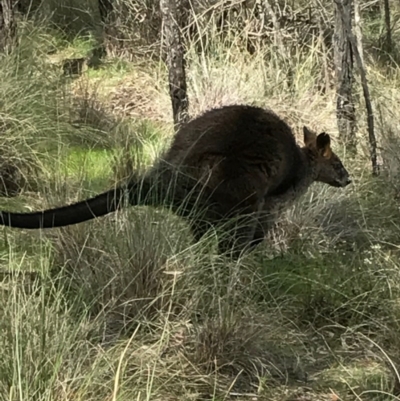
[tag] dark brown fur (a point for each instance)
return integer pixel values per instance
(232, 162)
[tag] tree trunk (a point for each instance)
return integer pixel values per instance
(325, 57)
(388, 39)
(278, 41)
(346, 21)
(357, 29)
(175, 60)
(100, 51)
(8, 28)
(343, 54)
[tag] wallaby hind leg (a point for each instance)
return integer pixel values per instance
(255, 225)
(236, 235)
(259, 235)
(240, 202)
(240, 233)
(264, 224)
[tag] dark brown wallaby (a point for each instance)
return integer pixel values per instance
(233, 162)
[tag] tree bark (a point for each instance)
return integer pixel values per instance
(8, 27)
(388, 39)
(325, 55)
(278, 41)
(364, 82)
(357, 29)
(343, 55)
(175, 60)
(105, 8)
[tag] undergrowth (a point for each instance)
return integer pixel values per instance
(129, 307)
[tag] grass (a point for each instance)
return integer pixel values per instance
(127, 307)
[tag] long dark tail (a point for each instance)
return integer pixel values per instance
(97, 206)
(161, 187)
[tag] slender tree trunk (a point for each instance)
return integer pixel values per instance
(357, 29)
(343, 55)
(277, 27)
(370, 117)
(346, 21)
(325, 54)
(175, 60)
(388, 39)
(278, 40)
(99, 52)
(8, 27)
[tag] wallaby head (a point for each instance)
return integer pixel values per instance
(326, 165)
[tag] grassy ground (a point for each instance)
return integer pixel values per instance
(128, 308)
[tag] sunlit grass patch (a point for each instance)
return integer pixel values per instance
(93, 166)
(366, 378)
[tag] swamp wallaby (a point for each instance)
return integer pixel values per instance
(232, 162)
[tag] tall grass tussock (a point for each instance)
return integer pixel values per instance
(128, 307)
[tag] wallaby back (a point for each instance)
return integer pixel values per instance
(238, 140)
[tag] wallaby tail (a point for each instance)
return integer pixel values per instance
(97, 206)
(162, 186)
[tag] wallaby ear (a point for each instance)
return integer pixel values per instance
(309, 137)
(324, 144)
